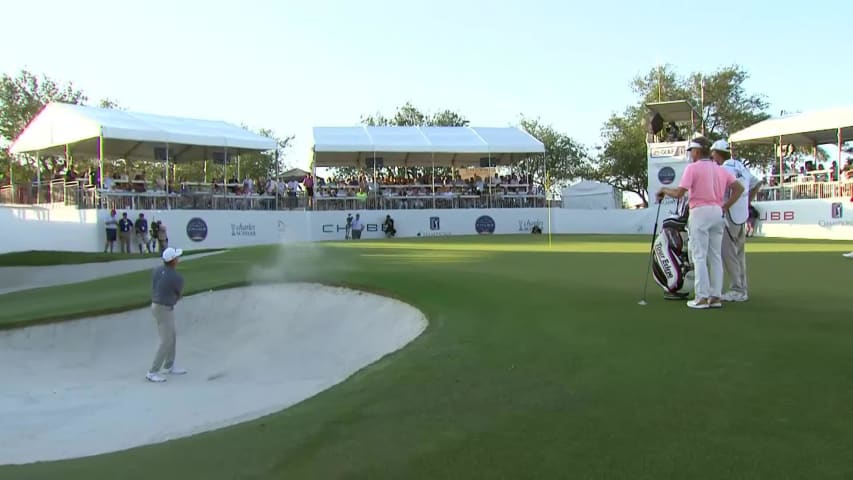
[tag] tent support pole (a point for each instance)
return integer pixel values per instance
(168, 185)
(38, 178)
(781, 167)
(101, 161)
(547, 203)
(432, 177)
(238, 168)
(12, 179)
(838, 162)
(491, 181)
(277, 173)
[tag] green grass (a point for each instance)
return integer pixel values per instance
(538, 363)
(49, 258)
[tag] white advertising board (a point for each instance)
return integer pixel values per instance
(666, 163)
(69, 229)
(828, 219)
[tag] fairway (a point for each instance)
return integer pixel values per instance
(537, 363)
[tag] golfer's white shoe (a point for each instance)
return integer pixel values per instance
(694, 303)
(154, 377)
(848, 254)
(175, 371)
(735, 297)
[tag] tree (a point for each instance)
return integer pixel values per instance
(724, 107)
(622, 162)
(267, 164)
(21, 99)
(110, 103)
(564, 157)
(409, 116)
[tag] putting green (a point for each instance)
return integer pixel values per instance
(537, 363)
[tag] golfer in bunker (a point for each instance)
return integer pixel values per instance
(167, 285)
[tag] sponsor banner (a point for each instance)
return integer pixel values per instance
(819, 218)
(666, 163)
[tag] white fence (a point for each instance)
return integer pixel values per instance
(70, 229)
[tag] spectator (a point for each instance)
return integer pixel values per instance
(125, 226)
(111, 227)
(388, 227)
(357, 227)
(162, 236)
(142, 238)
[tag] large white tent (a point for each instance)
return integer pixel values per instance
(92, 131)
(821, 127)
(591, 195)
(422, 146)
(810, 128)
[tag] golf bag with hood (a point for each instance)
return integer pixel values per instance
(670, 256)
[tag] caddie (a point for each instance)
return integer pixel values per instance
(734, 235)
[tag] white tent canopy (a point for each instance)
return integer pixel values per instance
(811, 128)
(591, 195)
(132, 136)
(422, 146)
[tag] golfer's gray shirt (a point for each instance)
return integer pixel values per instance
(166, 287)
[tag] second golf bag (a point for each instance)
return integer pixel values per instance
(670, 258)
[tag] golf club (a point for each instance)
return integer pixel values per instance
(651, 252)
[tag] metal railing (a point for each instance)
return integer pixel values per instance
(805, 190)
(211, 197)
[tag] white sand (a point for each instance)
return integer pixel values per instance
(13, 279)
(77, 388)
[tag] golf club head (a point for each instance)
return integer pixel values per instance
(641, 302)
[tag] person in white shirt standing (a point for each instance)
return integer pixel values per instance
(734, 236)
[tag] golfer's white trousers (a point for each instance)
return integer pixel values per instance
(706, 226)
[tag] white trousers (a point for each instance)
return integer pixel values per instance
(706, 226)
(734, 255)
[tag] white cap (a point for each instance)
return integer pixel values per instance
(170, 254)
(721, 146)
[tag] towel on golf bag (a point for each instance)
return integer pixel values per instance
(670, 259)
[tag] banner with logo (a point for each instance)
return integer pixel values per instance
(666, 163)
(829, 219)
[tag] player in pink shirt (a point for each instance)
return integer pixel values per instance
(707, 184)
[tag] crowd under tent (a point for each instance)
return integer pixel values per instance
(830, 126)
(71, 130)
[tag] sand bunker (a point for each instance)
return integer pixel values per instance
(78, 388)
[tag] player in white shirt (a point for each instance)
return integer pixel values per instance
(734, 236)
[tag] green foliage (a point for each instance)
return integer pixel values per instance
(564, 157)
(724, 106)
(21, 99)
(267, 164)
(623, 161)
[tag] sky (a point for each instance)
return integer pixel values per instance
(292, 65)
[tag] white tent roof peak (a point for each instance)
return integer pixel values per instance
(416, 145)
(60, 124)
(811, 128)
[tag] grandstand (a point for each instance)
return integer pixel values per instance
(386, 167)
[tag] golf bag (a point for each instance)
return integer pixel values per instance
(670, 257)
